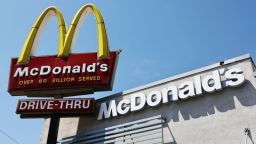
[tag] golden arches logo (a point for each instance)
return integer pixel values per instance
(66, 38)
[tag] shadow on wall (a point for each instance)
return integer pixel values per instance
(182, 110)
(172, 137)
(225, 100)
(250, 137)
(205, 104)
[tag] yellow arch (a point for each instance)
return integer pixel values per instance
(66, 41)
(33, 35)
(103, 49)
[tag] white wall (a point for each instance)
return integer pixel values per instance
(217, 118)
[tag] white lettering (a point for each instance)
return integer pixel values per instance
(138, 101)
(170, 91)
(76, 69)
(104, 111)
(56, 70)
(154, 98)
(234, 77)
(103, 67)
(50, 105)
(42, 104)
(34, 71)
(212, 82)
(208, 84)
(31, 105)
(77, 104)
(91, 68)
(62, 104)
(66, 70)
(123, 106)
(186, 90)
(69, 104)
(198, 85)
(45, 70)
(23, 105)
(88, 103)
(21, 72)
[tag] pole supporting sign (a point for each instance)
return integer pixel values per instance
(64, 74)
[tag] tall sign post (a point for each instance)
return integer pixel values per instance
(61, 75)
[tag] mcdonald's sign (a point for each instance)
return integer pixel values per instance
(63, 74)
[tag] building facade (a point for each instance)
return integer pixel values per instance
(210, 105)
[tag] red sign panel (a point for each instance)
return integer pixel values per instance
(49, 75)
(46, 107)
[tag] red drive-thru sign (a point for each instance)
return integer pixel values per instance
(49, 75)
(46, 107)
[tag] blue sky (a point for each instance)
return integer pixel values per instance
(159, 39)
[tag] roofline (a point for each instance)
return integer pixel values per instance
(182, 75)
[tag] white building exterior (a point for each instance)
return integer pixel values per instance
(217, 116)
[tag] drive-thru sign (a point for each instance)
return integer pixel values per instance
(64, 107)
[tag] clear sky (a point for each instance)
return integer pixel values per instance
(159, 38)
